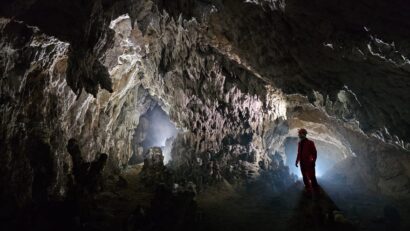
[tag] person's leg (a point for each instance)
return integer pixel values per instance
(313, 179)
(305, 176)
(311, 175)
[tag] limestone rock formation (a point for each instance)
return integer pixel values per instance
(154, 171)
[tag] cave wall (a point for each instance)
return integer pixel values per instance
(223, 108)
(40, 113)
(31, 131)
(367, 161)
(359, 47)
(165, 60)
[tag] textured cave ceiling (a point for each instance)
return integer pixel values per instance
(358, 47)
(237, 77)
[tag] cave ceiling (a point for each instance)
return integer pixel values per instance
(352, 53)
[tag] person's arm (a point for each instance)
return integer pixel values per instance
(314, 151)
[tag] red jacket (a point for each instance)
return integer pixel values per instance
(307, 153)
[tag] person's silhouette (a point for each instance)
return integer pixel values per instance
(306, 156)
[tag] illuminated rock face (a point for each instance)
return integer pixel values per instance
(221, 108)
(237, 79)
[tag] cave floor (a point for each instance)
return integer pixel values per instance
(336, 208)
(290, 210)
(111, 208)
(225, 207)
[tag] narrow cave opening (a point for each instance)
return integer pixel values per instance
(155, 129)
(328, 155)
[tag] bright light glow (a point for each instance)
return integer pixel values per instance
(158, 131)
(325, 160)
(161, 126)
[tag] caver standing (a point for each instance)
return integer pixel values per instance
(306, 156)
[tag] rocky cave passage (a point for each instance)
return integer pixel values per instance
(154, 130)
(209, 96)
(329, 155)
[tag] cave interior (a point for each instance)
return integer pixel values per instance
(184, 114)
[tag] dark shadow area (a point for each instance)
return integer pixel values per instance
(367, 209)
(318, 212)
(289, 210)
(132, 205)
